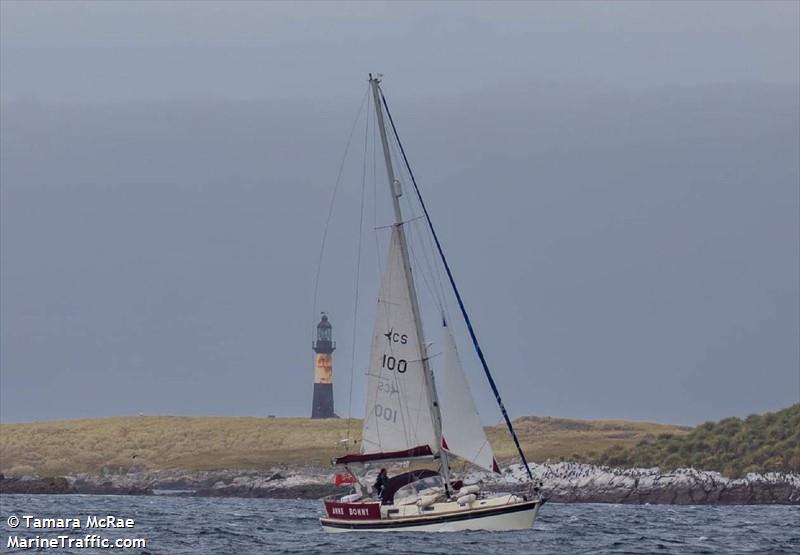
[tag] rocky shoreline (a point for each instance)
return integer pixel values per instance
(560, 482)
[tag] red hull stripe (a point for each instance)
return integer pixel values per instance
(418, 451)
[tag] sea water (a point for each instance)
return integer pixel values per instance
(214, 526)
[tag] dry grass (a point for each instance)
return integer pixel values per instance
(157, 442)
(206, 443)
(546, 438)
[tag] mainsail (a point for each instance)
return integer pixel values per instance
(398, 417)
(462, 432)
(398, 414)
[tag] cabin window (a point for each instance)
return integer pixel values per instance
(416, 488)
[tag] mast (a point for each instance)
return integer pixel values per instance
(461, 306)
(396, 192)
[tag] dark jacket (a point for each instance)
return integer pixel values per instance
(380, 483)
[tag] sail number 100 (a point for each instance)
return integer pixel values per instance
(391, 363)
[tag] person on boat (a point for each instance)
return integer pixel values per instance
(380, 483)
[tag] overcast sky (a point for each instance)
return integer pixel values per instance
(616, 184)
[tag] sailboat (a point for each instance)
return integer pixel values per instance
(414, 415)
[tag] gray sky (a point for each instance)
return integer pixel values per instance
(616, 185)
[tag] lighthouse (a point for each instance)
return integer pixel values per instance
(322, 407)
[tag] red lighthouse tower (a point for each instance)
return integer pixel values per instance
(322, 406)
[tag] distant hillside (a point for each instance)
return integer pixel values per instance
(548, 438)
(734, 447)
(206, 443)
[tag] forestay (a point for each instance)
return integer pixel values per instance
(462, 432)
(398, 414)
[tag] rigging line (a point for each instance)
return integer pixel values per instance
(407, 200)
(437, 270)
(330, 208)
(422, 262)
(358, 277)
(412, 236)
(458, 297)
(430, 285)
(417, 235)
(431, 290)
(405, 222)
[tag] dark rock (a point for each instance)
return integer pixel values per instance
(53, 485)
(598, 485)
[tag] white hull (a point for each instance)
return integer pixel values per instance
(471, 520)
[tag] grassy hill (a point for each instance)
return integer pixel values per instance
(205, 443)
(547, 438)
(760, 442)
(732, 446)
